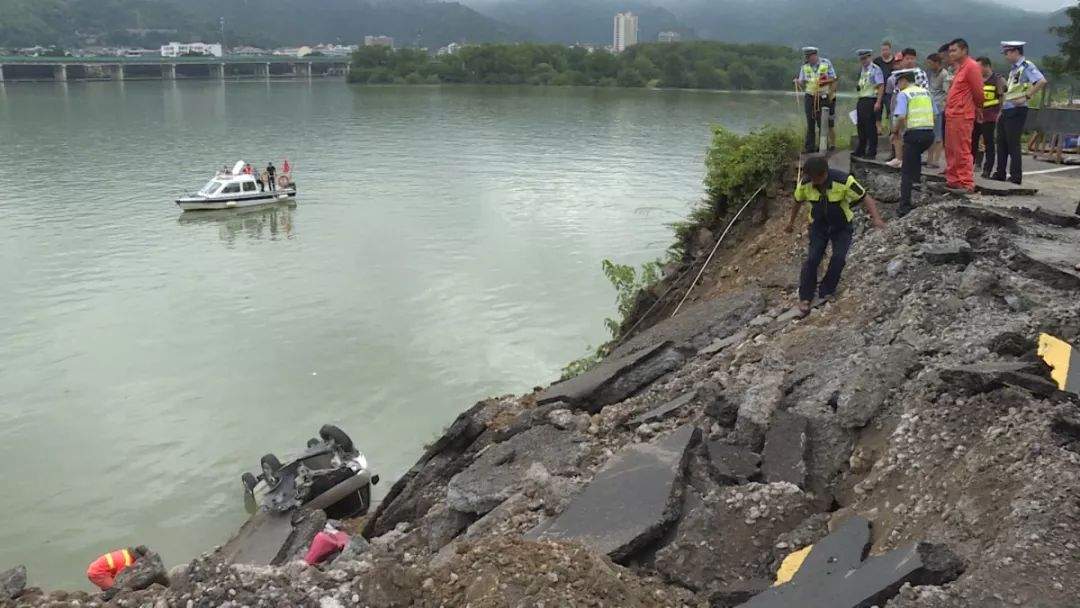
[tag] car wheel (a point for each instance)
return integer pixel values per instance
(313, 442)
(333, 434)
(270, 467)
(249, 482)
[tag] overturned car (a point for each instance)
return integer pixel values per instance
(331, 475)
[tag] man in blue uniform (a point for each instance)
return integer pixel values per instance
(913, 115)
(871, 91)
(830, 194)
(1025, 80)
(816, 77)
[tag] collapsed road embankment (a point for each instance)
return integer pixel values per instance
(904, 446)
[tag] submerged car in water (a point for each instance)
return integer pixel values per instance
(331, 474)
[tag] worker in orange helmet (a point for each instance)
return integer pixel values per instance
(103, 570)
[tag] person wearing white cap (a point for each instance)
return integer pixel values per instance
(871, 90)
(817, 77)
(1024, 82)
(913, 115)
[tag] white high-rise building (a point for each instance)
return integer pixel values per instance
(626, 31)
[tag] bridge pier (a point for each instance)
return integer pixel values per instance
(118, 72)
(217, 71)
(1, 72)
(262, 70)
(168, 71)
(302, 69)
(60, 73)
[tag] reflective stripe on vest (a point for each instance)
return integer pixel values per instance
(920, 108)
(842, 190)
(813, 76)
(866, 88)
(1017, 89)
(124, 555)
(990, 95)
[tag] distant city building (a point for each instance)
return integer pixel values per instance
(335, 50)
(669, 37)
(449, 49)
(379, 41)
(249, 50)
(626, 31)
(176, 49)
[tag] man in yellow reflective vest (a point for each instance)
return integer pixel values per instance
(986, 117)
(871, 91)
(831, 194)
(817, 78)
(1024, 82)
(913, 115)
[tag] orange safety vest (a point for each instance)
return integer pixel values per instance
(116, 560)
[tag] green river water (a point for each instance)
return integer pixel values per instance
(446, 247)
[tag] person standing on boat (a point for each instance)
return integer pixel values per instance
(271, 173)
(262, 178)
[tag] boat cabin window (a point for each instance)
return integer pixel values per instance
(211, 188)
(249, 186)
(231, 188)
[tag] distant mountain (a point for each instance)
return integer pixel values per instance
(260, 22)
(837, 26)
(841, 26)
(591, 21)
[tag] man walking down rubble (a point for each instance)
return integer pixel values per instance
(831, 194)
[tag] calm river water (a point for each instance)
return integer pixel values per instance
(446, 247)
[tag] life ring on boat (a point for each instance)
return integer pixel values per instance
(283, 181)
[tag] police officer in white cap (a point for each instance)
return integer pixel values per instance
(816, 77)
(1024, 82)
(871, 91)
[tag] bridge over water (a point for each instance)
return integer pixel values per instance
(22, 68)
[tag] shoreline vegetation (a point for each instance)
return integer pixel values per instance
(679, 65)
(735, 166)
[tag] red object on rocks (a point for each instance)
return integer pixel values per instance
(324, 545)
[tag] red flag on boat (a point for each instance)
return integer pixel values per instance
(285, 168)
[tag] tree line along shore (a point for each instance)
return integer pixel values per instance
(683, 65)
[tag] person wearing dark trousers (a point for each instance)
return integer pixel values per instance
(986, 118)
(886, 62)
(816, 77)
(871, 89)
(1024, 82)
(830, 195)
(914, 115)
(271, 174)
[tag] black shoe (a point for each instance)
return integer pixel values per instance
(986, 174)
(902, 211)
(997, 177)
(1016, 180)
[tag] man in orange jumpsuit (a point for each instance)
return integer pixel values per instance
(103, 570)
(965, 95)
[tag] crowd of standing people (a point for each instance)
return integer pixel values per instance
(960, 107)
(957, 105)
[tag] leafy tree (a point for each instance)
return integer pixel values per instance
(1069, 46)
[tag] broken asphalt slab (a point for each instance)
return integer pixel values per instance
(614, 379)
(837, 553)
(630, 501)
(733, 464)
(985, 377)
(662, 411)
(270, 538)
(875, 581)
(784, 456)
(700, 324)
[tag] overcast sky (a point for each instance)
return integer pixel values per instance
(1041, 5)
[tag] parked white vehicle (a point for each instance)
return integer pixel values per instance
(236, 189)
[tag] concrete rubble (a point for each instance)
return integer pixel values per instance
(906, 433)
